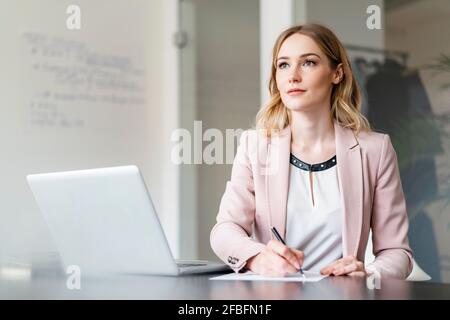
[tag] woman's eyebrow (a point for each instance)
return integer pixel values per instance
(301, 56)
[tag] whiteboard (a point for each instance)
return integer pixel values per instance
(76, 99)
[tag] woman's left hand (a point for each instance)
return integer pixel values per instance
(348, 265)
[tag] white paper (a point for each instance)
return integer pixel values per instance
(250, 276)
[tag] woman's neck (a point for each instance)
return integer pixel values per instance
(312, 132)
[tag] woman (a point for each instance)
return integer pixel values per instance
(315, 172)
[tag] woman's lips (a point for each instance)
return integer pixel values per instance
(296, 92)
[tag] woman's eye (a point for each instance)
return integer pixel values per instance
(309, 63)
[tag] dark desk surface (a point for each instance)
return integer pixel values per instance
(200, 287)
(48, 283)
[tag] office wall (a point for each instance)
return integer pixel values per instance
(347, 18)
(227, 91)
(420, 29)
(76, 99)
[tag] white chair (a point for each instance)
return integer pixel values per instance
(417, 274)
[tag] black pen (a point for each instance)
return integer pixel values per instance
(279, 238)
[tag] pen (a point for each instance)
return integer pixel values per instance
(279, 238)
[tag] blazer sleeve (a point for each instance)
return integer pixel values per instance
(389, 221)
(230, 237)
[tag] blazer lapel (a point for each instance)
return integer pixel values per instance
(350, 174)
(278, 180)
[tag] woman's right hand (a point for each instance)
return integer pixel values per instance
(276, 260)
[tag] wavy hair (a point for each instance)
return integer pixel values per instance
(345, 96)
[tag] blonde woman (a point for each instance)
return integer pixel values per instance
(315, 172)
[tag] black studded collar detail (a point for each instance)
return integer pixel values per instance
(313, 167)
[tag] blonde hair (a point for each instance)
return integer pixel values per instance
(345, 96)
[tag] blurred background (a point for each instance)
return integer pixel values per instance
(113, 92)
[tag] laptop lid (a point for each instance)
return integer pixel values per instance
(103, 220)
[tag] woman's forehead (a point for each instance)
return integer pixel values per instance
(297, 45)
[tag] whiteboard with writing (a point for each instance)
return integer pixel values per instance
(76, 99)
(76, 81)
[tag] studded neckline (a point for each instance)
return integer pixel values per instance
(313, 167)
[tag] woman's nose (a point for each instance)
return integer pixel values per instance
(294, 76)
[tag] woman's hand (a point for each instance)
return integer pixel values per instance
(348, 265)
(276, 260)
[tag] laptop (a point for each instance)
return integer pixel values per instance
(104, 221)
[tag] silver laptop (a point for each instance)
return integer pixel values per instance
(103, 221)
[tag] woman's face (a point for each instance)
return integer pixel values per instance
(303, 75)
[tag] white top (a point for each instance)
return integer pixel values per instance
(314, 213)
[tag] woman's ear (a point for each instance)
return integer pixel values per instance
(338, 74)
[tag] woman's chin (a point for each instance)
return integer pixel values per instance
(297, 107)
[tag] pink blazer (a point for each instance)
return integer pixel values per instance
(255, 199)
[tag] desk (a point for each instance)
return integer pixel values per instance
(48, 283)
